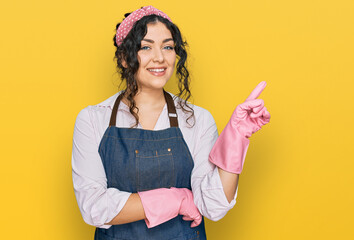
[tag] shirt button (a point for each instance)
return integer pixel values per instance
(169, 149)
(136, 151)
(198, 232)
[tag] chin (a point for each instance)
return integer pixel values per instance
(158, 83)
(160, 86)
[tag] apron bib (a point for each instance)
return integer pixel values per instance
(139, 160)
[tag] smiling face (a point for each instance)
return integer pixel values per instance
(156, 57)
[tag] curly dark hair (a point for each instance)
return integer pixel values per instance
(128, 50)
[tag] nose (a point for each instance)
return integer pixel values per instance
(158, 55)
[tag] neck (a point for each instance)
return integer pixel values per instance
(148, 99)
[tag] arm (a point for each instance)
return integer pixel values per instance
(229, 151)
(132, 211)
(229, 182)
(98, 204)
(214, 190)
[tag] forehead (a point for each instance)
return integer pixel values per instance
(157, 31)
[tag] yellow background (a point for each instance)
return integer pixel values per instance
(57, 58)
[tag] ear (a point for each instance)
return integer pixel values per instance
(122, 58)
(124, 64)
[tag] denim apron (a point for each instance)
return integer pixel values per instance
(138, 160)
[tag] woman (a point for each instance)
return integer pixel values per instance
(157, 178)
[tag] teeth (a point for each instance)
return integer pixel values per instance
(157, 70)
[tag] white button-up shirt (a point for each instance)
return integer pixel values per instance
(99, 204)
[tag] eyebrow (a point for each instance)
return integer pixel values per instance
(152, 41)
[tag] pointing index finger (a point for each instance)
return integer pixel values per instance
(257, 91)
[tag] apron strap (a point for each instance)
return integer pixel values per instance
(172, 114)
(113, 120)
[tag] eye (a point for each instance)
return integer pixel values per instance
(144, 48)
(169, 47)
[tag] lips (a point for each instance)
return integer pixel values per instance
(157, 71)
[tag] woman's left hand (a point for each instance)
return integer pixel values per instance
(229, 150)
(251, 115)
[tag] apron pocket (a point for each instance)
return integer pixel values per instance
(155, 169)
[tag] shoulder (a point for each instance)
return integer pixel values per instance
(203, 117)
(200, 132)
(109, 102)
(97, 112)
(101, 106)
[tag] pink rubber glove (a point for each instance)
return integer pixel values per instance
(163, 204)
(229, 150)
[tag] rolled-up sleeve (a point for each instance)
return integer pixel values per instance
(208, 192)
(98, 204)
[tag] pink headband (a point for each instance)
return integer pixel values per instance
(127, 24)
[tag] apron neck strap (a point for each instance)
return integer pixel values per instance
(172, 114)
